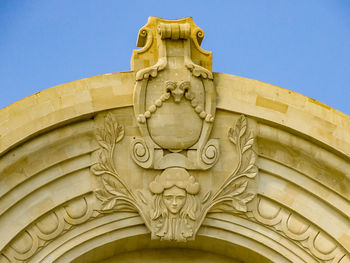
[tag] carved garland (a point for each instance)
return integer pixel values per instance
(177, 91)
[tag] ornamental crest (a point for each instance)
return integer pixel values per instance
(174, 108)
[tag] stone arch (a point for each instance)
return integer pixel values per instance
(48, 206)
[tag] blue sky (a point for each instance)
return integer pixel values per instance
(301, 45)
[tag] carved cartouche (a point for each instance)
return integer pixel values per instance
(176, 125)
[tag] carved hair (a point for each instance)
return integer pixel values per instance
(174, 177)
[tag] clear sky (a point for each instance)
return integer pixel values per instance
(301, 45)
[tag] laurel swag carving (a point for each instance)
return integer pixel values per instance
(232, 195)
(116, 195)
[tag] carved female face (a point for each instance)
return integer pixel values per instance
(174, 199)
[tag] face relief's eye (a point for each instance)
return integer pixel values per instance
(168, 198)
(180, 198)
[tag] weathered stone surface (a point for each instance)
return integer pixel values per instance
(121, 166)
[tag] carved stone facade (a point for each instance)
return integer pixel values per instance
(172, 159)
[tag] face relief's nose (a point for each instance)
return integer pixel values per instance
(174, 201)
